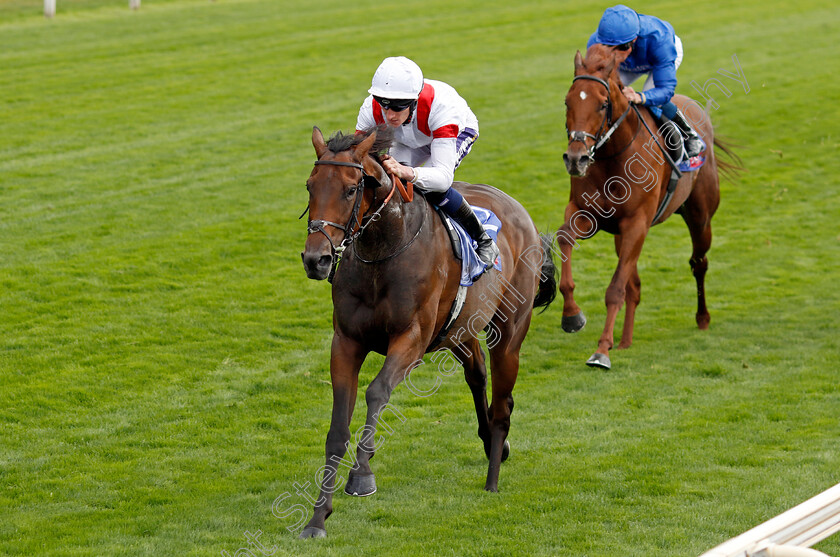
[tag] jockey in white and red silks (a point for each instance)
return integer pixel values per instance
(434, 129)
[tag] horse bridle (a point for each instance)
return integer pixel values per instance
(599, 139)
(350, 236)
(319, 225)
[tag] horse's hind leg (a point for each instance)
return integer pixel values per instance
(505, 341)
(697, 213)
(475, 373)
(701, 240)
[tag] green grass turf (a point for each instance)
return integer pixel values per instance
(164, 360)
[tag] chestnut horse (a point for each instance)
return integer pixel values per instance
(392, 293)
(619, 184)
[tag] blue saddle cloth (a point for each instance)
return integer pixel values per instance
(471, 265)
(687, 165)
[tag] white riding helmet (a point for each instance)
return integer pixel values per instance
(397, 77)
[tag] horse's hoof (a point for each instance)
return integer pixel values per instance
(599, 360)
(312, 532)
(573, 323)
(360, 486)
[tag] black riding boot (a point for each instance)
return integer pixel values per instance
(487, 249)
(693, 144)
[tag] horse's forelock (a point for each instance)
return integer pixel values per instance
(340, 141)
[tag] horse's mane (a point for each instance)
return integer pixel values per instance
(598, 57)
(339, 141)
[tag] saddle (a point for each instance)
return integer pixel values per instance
(454, 239)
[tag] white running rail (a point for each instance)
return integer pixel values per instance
(790, 533)
(49, 7)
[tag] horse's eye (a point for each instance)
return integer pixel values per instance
(307, 187)
(351, 191)
(605, 105)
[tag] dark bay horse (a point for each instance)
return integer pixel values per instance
(619, 180)
(392, 293)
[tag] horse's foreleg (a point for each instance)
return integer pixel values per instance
(404, 354)
(632, 297)
(629, 249)
(345, 361)
(573, 318)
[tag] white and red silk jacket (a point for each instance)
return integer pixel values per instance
(430, 137)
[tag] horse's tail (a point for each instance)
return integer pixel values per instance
(732, 168)
(548, 275)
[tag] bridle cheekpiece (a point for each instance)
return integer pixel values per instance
(350, 236)
(600, 138)
(320, 225)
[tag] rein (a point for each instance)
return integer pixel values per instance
(668, 158)
(600, 139)
(676, 174)
(404, 246)
(319, 225)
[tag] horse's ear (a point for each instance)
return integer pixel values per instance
(375, 174)
(578, 62)
(363, 147)
(318, 142)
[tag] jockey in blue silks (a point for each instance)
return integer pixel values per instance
(655, 51)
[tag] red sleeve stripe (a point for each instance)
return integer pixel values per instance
(424, 107)
(450, 130)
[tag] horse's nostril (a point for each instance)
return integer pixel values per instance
(313, 261)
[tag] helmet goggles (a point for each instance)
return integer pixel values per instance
(397, 105)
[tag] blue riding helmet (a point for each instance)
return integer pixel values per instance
(618, 25)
